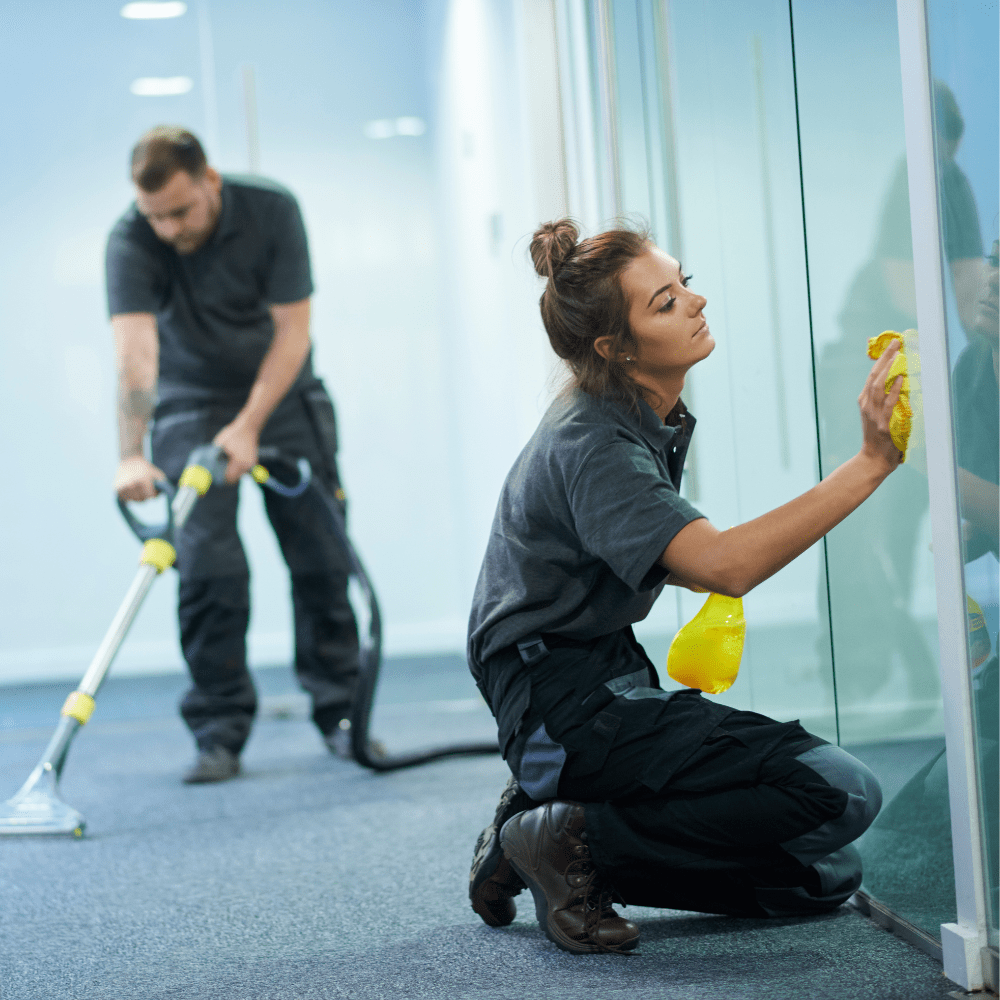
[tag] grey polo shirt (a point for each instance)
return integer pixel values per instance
(211, 306)
(583, 517)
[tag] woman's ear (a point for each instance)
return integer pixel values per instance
(603, 347)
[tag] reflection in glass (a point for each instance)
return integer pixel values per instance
(964, 57)
(976, 404)
(910, 845)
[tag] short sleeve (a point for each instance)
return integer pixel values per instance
(289, 277)
(134, 277)
(626, 511)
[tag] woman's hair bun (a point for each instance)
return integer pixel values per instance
(552, 244)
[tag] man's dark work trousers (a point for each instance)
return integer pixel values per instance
(214, 594)
(751, 817)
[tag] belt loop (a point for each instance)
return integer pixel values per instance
(532, 650)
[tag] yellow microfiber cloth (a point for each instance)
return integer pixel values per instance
(907, 414)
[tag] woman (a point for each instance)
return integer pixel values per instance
(621, 789)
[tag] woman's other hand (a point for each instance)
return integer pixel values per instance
(876, 410)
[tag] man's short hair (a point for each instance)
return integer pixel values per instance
(162, 152)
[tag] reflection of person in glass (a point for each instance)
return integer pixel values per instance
(666, 798)
(976, 417)
(871, 557)
(977, 440)
(908, 849)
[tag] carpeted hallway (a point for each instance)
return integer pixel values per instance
(310, 877)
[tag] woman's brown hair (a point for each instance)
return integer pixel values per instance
(584, 300)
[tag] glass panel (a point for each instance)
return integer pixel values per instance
(964, 67)
(708, 155)
(879, 565)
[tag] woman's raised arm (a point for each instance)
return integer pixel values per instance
(733, 562)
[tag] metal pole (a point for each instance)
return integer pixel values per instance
(962, 942)
(608, 100)
(250, 114)
(136, 594)
(210, 102)
(675, 236)
(784, 446)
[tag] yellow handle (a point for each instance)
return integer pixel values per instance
(159, 553)
(197, 477)
(78, 706)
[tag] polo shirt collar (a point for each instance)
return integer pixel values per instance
(658, 435)
(226, 227)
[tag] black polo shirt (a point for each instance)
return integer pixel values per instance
(212, 306)
(584, 515)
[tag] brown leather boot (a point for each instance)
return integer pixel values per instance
(545, 847)
(493, 884)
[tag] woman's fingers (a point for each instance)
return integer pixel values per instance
(876, 407)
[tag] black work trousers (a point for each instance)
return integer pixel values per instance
(213, 605)
(748, 817)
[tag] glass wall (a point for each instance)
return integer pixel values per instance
(964, 67)
(765, 146)
(707, 151)
(880, 570)
(322, 76)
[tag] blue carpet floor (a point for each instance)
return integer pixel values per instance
(310, 877)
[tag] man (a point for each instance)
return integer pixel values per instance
(209, 289)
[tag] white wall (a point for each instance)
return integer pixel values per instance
(426, 324)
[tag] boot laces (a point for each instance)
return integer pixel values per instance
(596, 898)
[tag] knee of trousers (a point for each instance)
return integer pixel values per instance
(864, 799)
(839, 876)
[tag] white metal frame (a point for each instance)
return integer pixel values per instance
(593, 193)
(964, 943)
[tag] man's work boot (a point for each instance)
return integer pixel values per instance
(493, 883)
(546, 847)
(213, 764)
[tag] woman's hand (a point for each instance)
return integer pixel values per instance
(876, 409)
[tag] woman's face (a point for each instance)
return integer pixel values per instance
(666, 317)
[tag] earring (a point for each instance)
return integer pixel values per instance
(627, 358)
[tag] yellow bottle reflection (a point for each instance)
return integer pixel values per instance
(706, 652)
(980, 645)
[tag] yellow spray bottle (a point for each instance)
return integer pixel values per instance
(706, 652)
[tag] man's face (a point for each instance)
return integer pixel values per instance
(185, 210)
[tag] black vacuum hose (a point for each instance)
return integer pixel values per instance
(370, 663)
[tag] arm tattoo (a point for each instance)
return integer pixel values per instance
(135, 407)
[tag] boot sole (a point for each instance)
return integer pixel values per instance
(542, 914)
(488, 861)
(490, 867)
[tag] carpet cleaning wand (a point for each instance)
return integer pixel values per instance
(38, 808)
